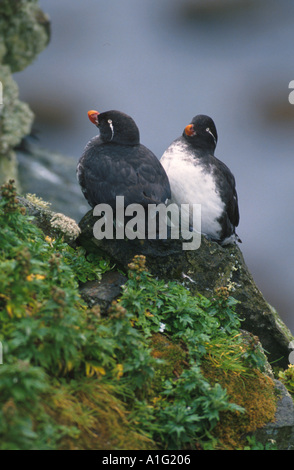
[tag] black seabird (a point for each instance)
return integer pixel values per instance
(114, 163)
(197, 177)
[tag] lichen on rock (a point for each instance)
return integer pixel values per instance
(65, 225)
(52, 224)
(16, 117)
(23, 35)
(24, 28)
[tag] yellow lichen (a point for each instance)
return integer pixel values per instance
(37, 201)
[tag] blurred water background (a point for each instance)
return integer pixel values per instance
(164, 61)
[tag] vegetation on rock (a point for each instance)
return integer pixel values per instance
(287, 378)
(165, 369)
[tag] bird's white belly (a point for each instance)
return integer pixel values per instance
(190, 184)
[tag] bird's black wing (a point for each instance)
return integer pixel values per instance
(153, 183)
(227, 188)
(109, 170)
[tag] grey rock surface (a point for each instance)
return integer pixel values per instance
(51, 176)
(103, 292)
(280, 432)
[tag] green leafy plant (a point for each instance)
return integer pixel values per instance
(42, 315)
(21, 387)
(254, 445)
(115, 345)
(192, 409)
(287, 378)
(86, 267)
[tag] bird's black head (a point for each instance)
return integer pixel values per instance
(115, 127)
(201, 132)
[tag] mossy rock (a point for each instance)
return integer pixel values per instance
(24, 33)
(16, 117)
(202, 271)
(52, 224)
(25, 30)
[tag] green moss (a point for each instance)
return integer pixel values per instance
(255, 393)
(94, 417)
(172, 360)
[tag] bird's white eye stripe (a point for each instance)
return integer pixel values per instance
(209, 132)
(111, 127)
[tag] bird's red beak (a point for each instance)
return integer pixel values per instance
(189, 130)
(93, 116)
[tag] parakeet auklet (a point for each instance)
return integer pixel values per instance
(197, 177)
(114, 163)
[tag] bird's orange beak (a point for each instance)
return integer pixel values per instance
(93, 116)
(189, 130)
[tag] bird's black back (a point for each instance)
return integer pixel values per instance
(107, 170)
